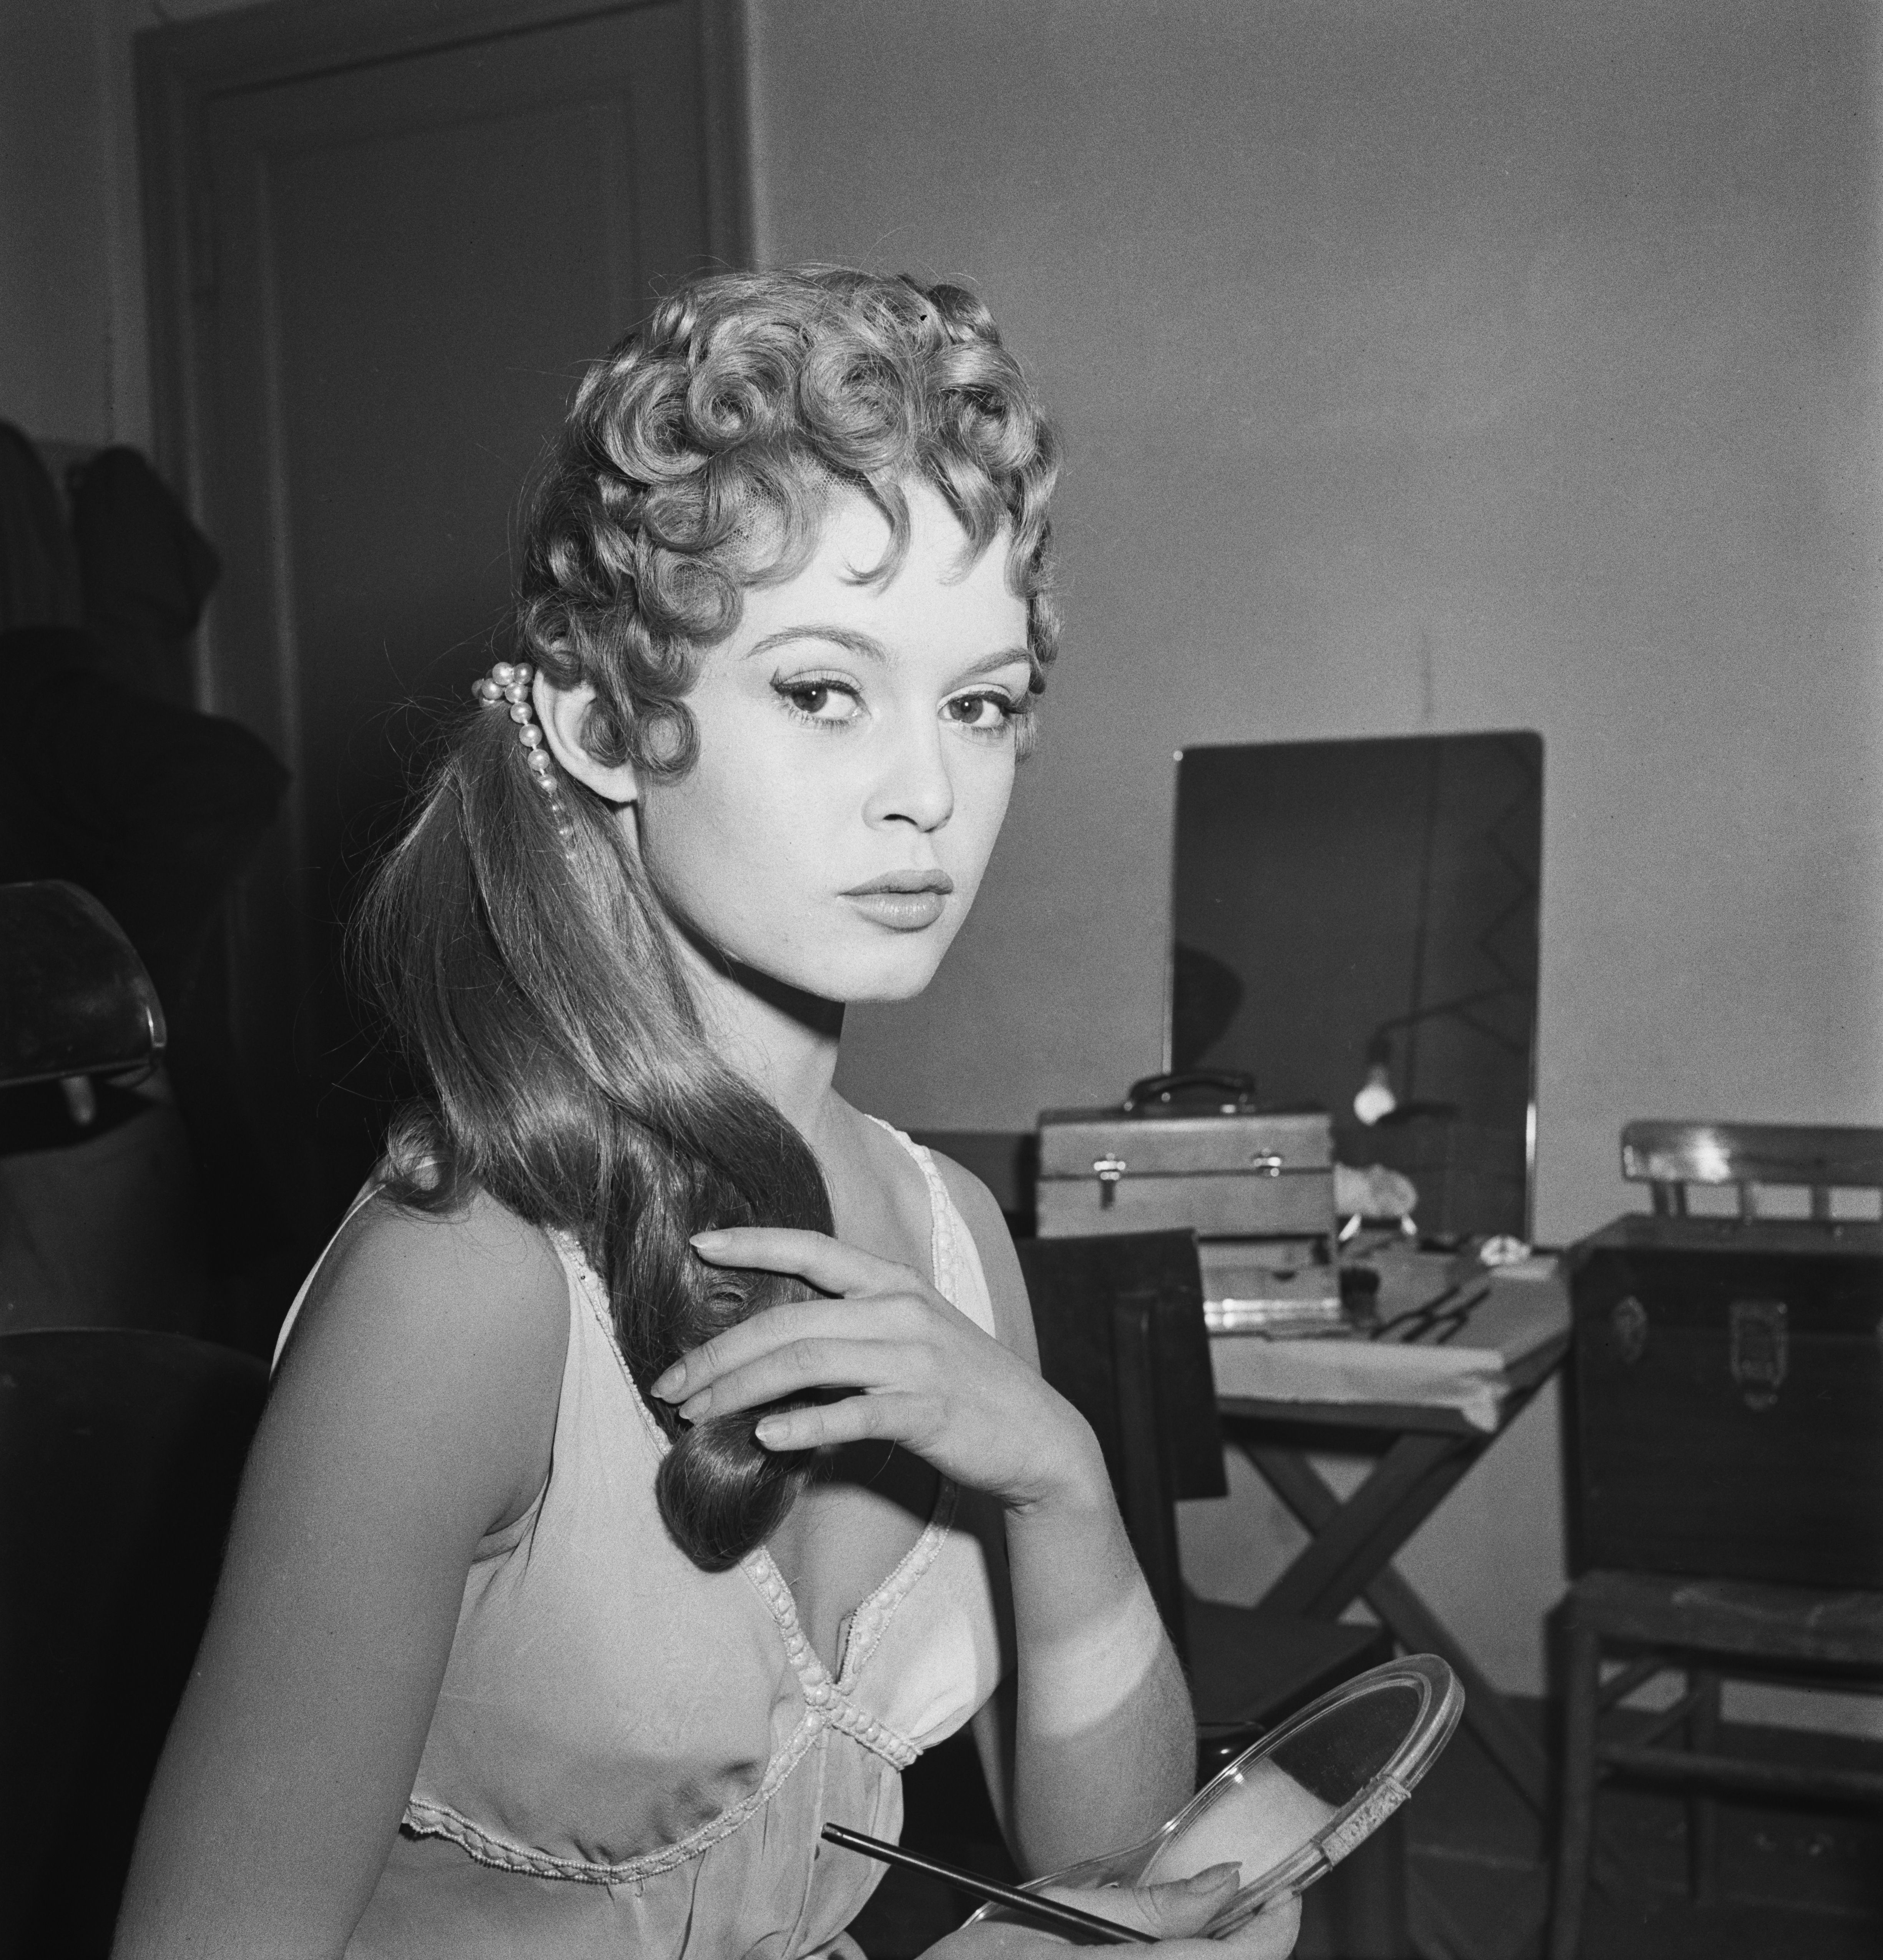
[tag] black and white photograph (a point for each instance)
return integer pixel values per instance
(940, 979)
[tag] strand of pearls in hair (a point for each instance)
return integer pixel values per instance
(508, 684)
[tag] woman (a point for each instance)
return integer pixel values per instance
(658, 1460)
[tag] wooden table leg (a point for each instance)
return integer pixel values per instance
(1360, 1537)
(1487, 1714)
(1312, 1500)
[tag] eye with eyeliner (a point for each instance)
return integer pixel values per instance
(1011, 708)
(807, 696)
(804, 695)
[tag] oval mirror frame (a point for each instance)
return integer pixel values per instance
(1435, 1702)
(1381, 1763)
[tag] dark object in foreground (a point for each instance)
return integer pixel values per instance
(120, 1455)
(1028, 1905)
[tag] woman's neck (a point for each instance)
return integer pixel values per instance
(783, 1041)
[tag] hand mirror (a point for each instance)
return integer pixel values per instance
(1289, 1809)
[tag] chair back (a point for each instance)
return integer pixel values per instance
(121, 1453)
(1825, 1160)
(1120, 1325)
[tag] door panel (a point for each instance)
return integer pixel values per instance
(411, 259)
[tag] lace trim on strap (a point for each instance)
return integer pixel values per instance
(588, 1284)
(826, 1700)
(943, 1254)
(870, 1619)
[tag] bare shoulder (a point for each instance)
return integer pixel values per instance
(413, 1412)
(455, 1323)
(1013, 1314)
(475, 1279)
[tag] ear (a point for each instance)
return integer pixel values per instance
(561, 711)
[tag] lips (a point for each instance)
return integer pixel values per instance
(903, 901)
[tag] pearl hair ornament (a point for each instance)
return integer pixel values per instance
(507, 684)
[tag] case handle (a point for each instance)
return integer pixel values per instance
(1235, 1089)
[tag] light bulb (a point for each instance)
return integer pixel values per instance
(1376, 1099)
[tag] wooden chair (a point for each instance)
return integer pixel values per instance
(119, 1454)
(1727, 1502)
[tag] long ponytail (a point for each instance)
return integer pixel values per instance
(569, 1079)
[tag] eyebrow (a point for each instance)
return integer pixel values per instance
(866, 647)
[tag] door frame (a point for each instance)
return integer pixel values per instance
(184, 72)
(181, 68)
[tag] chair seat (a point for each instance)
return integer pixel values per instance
(1248, 1671)
(1772, 1625)
(121, 1453)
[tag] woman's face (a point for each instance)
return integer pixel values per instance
(856, 753)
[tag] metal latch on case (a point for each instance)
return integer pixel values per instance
(1758, 1350)
(1267, 1163)
(1108, 1170)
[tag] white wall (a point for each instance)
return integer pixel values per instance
(1422, 366)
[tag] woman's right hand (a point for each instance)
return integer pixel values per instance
(1175, 1913)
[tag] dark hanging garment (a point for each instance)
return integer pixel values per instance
(39, 568)
(110, 778)
(147, 571)
(154, 810)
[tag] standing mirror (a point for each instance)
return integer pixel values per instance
(1355, 924)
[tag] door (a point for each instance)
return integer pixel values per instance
(401, 259)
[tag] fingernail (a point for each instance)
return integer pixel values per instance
(771, 1431)
(709, 1241)
(698, 1406)
(671, 1384)
(1215, 1874)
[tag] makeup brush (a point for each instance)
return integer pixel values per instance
(1043, 1911)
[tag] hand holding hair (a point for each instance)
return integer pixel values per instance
(923, 1375)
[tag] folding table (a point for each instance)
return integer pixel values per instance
(1427, 1408)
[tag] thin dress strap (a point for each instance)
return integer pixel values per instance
(958, 1276)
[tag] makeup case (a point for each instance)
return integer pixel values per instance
(1191, 1152)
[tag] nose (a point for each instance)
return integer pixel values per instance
(914, 786)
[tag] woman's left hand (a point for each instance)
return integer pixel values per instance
(924, 1376)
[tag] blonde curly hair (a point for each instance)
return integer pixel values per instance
(699, 456)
